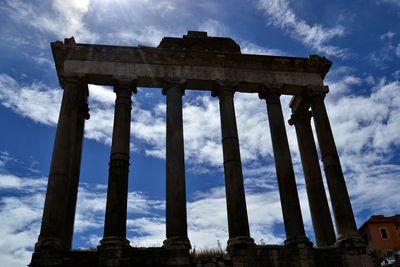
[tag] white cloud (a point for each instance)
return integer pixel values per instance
(366, 129)
(383, 178)
(387, 51)
(394, 2)
(398, 50)
(279, 13)
(62, 19)
(213, 28)
(388, 35)
(367, 122)
(147, 35)
(396, 74)
(40, 59)
(10, 182)
(146, 231)
(341, 81)
(250, 48)
(36, 100)
(5, 157)
(19, 228)
(21, 204)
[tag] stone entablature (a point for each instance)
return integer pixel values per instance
(149, 66)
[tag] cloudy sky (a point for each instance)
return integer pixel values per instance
(361, 37)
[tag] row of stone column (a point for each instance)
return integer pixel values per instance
(59, 210)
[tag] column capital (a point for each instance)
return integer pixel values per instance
(268, 89)
(75, 79)
(174, 83)
(124, 83)
(303, 115)
(223, 87)
(269, 97)
(316, 90)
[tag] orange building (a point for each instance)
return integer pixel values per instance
(382, 235)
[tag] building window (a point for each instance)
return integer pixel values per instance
(384, 233)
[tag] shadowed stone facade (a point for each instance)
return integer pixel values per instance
(214, 64)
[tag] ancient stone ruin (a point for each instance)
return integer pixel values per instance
(198, 62)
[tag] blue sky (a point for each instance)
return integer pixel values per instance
(362, 38)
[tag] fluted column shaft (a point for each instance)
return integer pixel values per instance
(176, 221)
(58, 213)
(117, 194)
(292, 217)
(320, 214)
(342, 210)
(238, 224)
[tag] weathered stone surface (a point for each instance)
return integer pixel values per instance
(261, 256)
(58, 212)
(176, 228)
(238, 225)
(319, 209)
(117, 194)
(290, 203)
(342, 210)
(199, 41)
(151, 66)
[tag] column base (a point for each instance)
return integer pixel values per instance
(299, 242)
(49, 243)
(49, 251)
(114, 242)
(112, 251)
(350, 241)
(240, 242)
(177, 243)
(178, 251)
(241, 250)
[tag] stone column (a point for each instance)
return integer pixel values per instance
(320, 215)
(238, 224)
(117, 194)
(60, 196)
(76, 165)
(176, 220)
(292, 217)
(342, 210)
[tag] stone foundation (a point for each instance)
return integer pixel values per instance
(258, 256)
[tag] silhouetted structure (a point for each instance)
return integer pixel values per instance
(198, 62)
